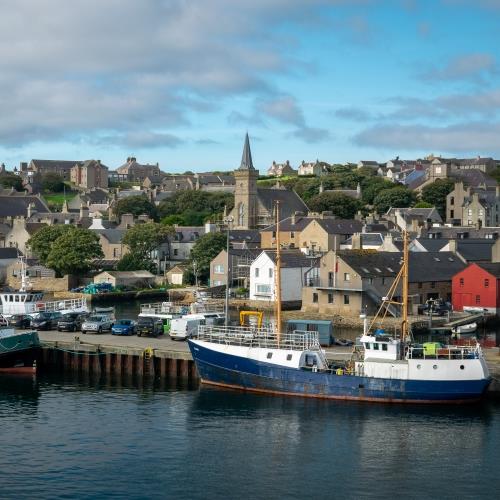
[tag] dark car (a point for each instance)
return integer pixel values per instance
(71, 322)
(22, 321)
(46, 320)
(149, 327)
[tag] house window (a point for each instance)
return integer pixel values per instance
(315, 298)
(452, 201)
(266, 289)
(330, 298)
(270, 272)
(420, 285)
(469, 212)
(461, 282)
(176, 252)
(256, 272)
(478, 299)
(274, 234)
(486, 283)
(384, 347)
(292, 234)
(346, 300)
(452, 214)
(347, 277)
(433, 284)
(219, 269)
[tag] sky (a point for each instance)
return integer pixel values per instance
(180, 82)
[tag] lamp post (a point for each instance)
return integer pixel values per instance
(228, 220)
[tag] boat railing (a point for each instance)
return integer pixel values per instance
(165, 308)
(61, 305)
(258, 337)
(446, 352)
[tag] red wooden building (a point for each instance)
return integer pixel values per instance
(478, 286)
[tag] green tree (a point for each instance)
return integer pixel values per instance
(136, 205)
(339, 204)
(204, 250)
(73, 251)
(435, 194)
(142, 239)
(10, 180)
(42, 241)
(371, 187)
(52, 182)
(398, 197)
(197, 201)
(423, 204)
(132, 262)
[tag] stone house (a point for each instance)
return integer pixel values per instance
(14, 204)
(311, 168)
(133, 171)
(61, 167)
(89, 174)
(290, 230)
(354, 282)
(326, 233)
(240, 260)
(281, 169)
(20, 232)
(473, 206)
(411, 218)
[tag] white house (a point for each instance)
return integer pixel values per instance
(294, 265)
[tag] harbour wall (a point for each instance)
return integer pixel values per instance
(96, 359)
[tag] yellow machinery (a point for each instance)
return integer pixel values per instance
(249, 314)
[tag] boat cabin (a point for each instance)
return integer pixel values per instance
(381, 347)
(20, 302)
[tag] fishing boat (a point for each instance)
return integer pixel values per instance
(385, 368)
(28, 301)
(18, 351)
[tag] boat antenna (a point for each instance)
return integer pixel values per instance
(404, 322)
(278, 275)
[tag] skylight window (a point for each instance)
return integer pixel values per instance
(390, 269)
(437, 259)
(377, 269)
(365, 270)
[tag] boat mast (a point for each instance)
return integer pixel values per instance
(404, 322)
(278, 275)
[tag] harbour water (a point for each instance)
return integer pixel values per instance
(78, 438)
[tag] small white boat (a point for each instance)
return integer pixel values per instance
(107, 310)
(468, 328)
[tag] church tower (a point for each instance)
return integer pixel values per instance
(245, 193)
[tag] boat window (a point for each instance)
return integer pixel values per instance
(269, 355)
(16, 298)
(375, 346)
(384, 347)
(288, 357)
(367, 345)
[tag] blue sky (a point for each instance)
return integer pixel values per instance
(180, 82)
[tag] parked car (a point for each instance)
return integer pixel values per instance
(149, 327)
(22, 321)
(46, 320)
(3, 321)
(123, 327)
(71, 322)
(97, 323)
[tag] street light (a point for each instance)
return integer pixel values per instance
(228, 220)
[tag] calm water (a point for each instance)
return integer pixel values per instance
(64, 438)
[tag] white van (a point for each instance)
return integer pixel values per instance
(185, 327)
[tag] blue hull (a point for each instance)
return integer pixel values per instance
(241, 373)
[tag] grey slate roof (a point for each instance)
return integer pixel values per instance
(246, 157)
(491, 267)
(290, 201)
(433, 244)
(423, 266)
(467, 232)
(473, 178)
(188, 233)
(473, 250)
(9, 253)
(340, 226)
(16, 204)
(371, 239)
(292, 258)
(55, 164)
(114, 236)
(244, 235)
(288, 224)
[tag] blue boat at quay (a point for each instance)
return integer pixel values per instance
(385, 368)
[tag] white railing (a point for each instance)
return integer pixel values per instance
(446, 352)
(258, 337)
(180, 308)
(62, 305)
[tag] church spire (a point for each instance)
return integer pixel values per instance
(246, 158)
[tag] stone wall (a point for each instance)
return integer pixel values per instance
(46, 284)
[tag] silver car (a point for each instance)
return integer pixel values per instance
(97, 324)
